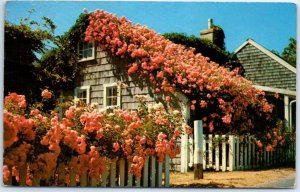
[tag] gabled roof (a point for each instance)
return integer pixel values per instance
(267, 52)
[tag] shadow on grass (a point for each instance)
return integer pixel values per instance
(201, 185)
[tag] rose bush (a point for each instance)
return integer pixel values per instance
(85, 138)
(224, 100)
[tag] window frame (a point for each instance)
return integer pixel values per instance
(105, 86)
(86, 58)
(87, 88)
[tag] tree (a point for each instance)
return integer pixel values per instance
(219, 37)
(208, 49)
(58, 67)
(289, 53)
(23, 42)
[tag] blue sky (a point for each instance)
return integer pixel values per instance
(269, 24)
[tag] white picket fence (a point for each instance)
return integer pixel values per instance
(229, 153)
(154, 174)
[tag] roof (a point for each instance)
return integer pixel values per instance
(267, 52)
(265, 69)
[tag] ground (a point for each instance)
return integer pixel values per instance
(236, 179)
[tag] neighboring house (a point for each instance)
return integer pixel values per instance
(271, 74)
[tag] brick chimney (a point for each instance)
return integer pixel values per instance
(208, 33)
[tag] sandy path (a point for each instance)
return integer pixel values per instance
(240, 179)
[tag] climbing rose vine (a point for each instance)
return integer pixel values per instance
(85, 139)
(223, 98)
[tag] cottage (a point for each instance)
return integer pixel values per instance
(111, 87)
(271, 74)
(106, 82)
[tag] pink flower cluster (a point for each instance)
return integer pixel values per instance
(171, 67)
(46, 94)
(84, 138)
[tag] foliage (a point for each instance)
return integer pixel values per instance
(23, 42)
(219, 37)
(290, 52)
(224, 100)
(207, 49)
(59, 66)
(85, 139)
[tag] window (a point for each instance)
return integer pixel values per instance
(86, 51)
(82, 93)
(112, 95)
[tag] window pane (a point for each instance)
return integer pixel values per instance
(89, 53)
(85, 53)
(82, 94)
(111, 96)
(110, 92)
(85, 50)
(114, 101)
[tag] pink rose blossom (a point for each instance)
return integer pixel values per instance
(46, 94)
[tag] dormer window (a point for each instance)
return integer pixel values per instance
(86, 51)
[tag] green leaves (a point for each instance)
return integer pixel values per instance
(208, 49)
(289, 53)
(58, 67)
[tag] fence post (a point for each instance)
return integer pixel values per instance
(217, 153)
(122, 173)
(241, 153)
(237, 153)
(184, 153)
(210, 151)
(137, 181)
(130, 176)
(249, 152)
(204, 153)
(191, 150)
(104, 176)
(167, 171)
(198, 153)
(112, 175)
(159, 174)
(224, 166)
(153, 169)
(145, 172)
(231, 153)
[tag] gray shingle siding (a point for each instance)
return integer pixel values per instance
(100, 71)
(265, 71)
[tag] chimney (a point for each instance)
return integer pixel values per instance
(210, 23)
(208, 33)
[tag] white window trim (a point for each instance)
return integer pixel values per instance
(88, 58)
(105, 86)
(87, 88)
